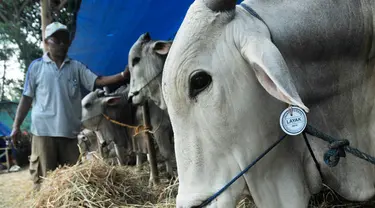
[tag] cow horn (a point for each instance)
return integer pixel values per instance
(146, 37)
(100, 93)
(220, 5)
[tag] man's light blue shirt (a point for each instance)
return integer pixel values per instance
(56, 110)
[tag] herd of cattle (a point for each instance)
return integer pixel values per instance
(222, 84)
(113, 141)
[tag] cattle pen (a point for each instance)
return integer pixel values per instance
(111, 173)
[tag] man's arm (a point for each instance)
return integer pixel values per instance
(22, 110)
(89, 80)
(108, 80)
(26, 100)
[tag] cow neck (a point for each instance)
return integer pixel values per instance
(105, 130)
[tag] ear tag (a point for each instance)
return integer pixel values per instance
(293, 120)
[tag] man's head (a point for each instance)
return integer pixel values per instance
(57, 39)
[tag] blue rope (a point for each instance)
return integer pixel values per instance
(209, 200)
(337, 147)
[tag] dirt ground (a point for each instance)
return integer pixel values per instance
(15, 187)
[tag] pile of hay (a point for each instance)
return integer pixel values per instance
(97, 184)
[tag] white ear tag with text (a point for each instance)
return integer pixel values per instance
(293, 120)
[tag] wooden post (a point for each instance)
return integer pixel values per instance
(154, 175)
(46, 18)
(6, 157)
(8, 147)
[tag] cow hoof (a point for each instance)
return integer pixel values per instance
(171, 177)
(139, 169)
(153, 183)
(150, 184)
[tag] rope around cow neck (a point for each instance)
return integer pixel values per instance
(337, 148)
(147, 83)
(138, 129)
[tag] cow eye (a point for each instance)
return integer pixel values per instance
(135, 61)
(87, 105)
(199, 81)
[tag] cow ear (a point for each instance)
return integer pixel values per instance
(270, 69)
(113, 101)
(162, 47)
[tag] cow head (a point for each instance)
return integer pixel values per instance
(146, 62)
(225, 84)
(87, 141)
(94, 105)
(113, 105)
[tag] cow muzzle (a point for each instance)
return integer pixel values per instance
(133, 98)
(130, 99)
(192, 200)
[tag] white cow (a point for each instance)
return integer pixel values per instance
(87, 141)
(115, 105)
(90, 142)
(146, 62)
(229, 75)
(94, 105)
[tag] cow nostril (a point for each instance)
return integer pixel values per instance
(130, 98)
(136, 93)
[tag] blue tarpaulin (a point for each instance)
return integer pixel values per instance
(4, 130)
(106, 29)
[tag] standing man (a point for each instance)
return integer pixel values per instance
(52, 87)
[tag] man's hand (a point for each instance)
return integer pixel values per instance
(23, 108)
(15, 134)
(114, 79)
(126, 74)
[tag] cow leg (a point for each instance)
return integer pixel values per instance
(168, 165)
(166, 149)
(100, 141)
(119, 154)
(140, 157)
(151, 179)
(138, 160)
